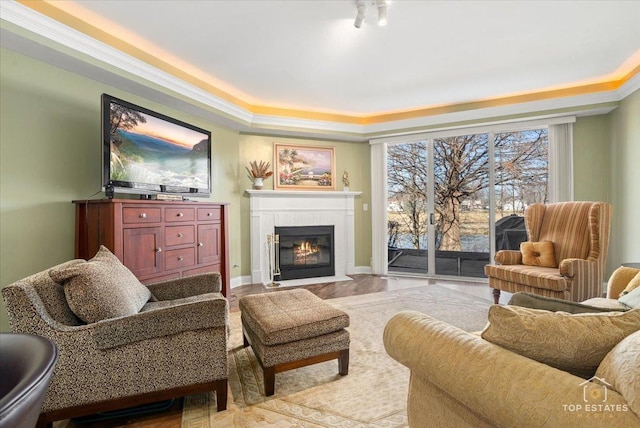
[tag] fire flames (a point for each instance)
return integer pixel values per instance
(304, 250)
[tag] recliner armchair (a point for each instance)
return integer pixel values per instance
(580, 234)
(173, 347)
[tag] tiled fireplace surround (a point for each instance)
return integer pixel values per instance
(271, 208)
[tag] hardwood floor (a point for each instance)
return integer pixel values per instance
(361, 284)
(364, 284)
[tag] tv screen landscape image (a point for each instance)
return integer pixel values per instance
(147, 152)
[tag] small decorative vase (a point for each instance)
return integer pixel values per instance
(258, 183)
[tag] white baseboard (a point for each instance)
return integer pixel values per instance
(240, 280)
(363, 270)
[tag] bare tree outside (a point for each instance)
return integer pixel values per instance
(521, 160)
(407, 177)
(461, 181)
(461, 171)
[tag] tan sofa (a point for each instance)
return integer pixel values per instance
(460, 380)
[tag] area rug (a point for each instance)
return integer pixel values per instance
(374, 394)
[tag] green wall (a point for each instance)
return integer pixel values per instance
(625, 181)
(591, 158)
(606, 155)
(50, 155)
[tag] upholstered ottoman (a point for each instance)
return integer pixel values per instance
(291, 329)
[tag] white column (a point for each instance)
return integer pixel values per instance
(379, 220)
(350, 240)
(561, 162)
(257, 243)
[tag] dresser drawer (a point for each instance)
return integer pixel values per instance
(141, 215)
(175, 259)
(179, 214)
(178, 235)
(209, 214)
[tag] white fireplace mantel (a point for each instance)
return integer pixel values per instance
(276, 208)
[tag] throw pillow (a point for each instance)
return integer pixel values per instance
(573, 343)
(101, 288)
(534, 301)
(623, 275)
(632, 299)
(632, 285)
(538, 254)
(620, 368)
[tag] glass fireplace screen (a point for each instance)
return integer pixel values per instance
(307, 250)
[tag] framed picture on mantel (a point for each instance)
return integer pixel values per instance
(304, 167)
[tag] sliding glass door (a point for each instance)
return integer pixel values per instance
(408, 176)
(461, 204)
(452, 201)
(521, 179)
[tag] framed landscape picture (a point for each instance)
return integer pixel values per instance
(304, 168)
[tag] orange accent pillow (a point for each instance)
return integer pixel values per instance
(538, 254)
(632, 285)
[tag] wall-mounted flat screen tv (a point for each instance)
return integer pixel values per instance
(145, 152)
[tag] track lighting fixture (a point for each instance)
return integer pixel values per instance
(361, 5)
(362, 9)
(382, 12)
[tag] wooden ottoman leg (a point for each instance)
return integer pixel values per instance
(496, 296)
(269, 374)
(221, 394)
(343, 362)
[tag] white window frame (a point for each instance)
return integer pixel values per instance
(560, 169)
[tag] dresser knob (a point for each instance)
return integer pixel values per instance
(143, 215)
(180, 258)
(180, 235)
(180, 215)
(158, 250)
(209, 214)
(200, 244)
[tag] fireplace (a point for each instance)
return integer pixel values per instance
(306, 251)
(290, 208)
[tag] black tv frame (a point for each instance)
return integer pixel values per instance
(145, 190)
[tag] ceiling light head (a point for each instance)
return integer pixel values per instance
(362, 9)
(361, 5)
(382, 12)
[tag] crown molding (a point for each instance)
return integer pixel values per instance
(629, 87)
(295, 123)
(77, 41)
(55, 43)
(567, 104)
